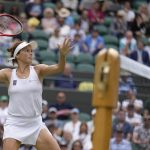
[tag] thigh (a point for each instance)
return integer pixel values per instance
(46, 141)
(11, 143)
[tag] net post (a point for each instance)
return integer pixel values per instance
(105, 96)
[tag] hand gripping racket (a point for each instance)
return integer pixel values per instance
(10, 25)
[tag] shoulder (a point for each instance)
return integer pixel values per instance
(7, 71)
(126, 142)
(5, 75)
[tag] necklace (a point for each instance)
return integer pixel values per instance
(23, 75)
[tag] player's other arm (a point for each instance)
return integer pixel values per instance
(44, 70)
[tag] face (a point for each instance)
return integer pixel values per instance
(95, 34)
(74, 116)
(61, 97)
(121, 116)
(129, 35)
(25, 55)
(119, 136)
(140, 45)
(83, 128)
(77, 146)
(3, 104)
(146, 120)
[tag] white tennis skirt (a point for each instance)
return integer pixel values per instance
(25, 130)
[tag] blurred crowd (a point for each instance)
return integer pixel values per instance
(92, 25)
(73, 129)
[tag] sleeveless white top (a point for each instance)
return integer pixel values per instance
(25, 95)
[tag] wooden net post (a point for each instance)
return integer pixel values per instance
(105, 96)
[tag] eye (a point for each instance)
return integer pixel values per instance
(29, 50)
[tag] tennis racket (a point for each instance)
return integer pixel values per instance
(9, 25)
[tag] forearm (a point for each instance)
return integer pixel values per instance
(61, 62)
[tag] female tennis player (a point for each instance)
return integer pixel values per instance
(24, 123)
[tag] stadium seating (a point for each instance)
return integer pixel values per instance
(103, 30)
(39, 34)
(84, 117)
(70, 58)
(48, 56)
(42, 44)
(49, 62)
(85, 68)
(85, 58)
(49, 5)
(110, 39)
(108, 21)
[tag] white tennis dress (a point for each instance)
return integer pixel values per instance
(24, 120)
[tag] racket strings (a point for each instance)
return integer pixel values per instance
(9, 25)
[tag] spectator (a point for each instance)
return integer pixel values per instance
(54, 40)
(117, 142)
(49, 22)
(126, 83)
(138, 26)
(77, 30)
(77, 145)
(143, 11)
(84, 136)
(3, 108)
(94, 42)
(77, 45)
(63, 108)
(140, 55)
(131, 99)
(34, 9)
(132, 117)
(127, 44)
(119, 25)
(96, 13)
(63, 13)
(129, 13)
(141, 135)
(52, 118)
(73, 126)
(66, 80)
(84, 21)
(120, 121)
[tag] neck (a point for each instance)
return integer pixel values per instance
(22, 68)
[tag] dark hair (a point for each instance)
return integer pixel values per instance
(82, 124)
(11, 50)
(77, 141)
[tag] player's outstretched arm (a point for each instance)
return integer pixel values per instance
(44, 70)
